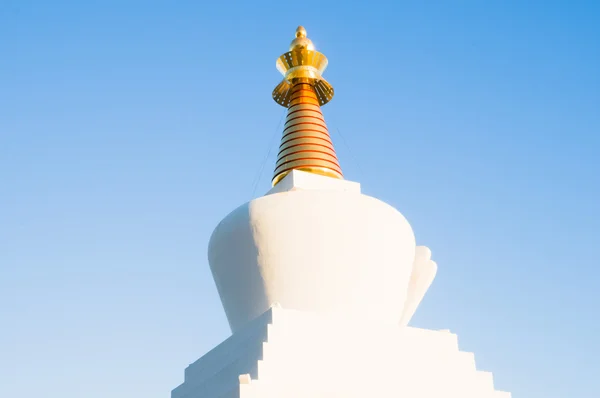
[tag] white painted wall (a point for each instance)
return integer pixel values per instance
(318, 246)
(423, 273)
(288, 353)
(346, 269)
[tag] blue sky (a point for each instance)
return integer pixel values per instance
(128, 129)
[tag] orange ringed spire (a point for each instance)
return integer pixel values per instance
(305, 142)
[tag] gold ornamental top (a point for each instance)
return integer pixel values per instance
(305, 144)
(302, 62)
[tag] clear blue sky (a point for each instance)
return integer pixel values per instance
(128, 129)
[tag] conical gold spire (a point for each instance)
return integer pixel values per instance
(305, 144)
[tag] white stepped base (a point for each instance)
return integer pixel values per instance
(287, 353)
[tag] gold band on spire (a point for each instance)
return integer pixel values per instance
(305, 144)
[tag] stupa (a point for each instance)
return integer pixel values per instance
(319, 281)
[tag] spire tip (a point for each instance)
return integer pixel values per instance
(300, 32)
(301, 42)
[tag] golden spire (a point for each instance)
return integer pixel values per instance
(305, 144)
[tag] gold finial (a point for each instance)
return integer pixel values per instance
(301, 42)
(305, 144)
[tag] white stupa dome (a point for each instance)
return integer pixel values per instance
(324, 250)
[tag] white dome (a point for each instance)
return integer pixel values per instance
(334, 252)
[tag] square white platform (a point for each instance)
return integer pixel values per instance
(288, 354)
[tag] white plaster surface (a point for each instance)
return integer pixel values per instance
(318, 282)
(423, 273)
(319, 245)
(297, 180)
(289, 353)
